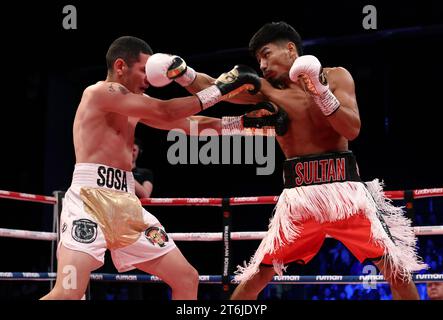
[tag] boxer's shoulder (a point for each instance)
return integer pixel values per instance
(337, 76)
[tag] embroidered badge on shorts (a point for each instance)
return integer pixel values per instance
(84, 230)
(155, 235)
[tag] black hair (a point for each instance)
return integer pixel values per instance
(274, 32)
(127, 48)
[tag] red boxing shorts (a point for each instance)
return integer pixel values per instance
(324, 195)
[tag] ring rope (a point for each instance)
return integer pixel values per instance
(216, 279)
(193, 236)
(235, 201)
(27, 197)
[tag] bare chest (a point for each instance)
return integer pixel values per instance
(309, 131)
(120, 125)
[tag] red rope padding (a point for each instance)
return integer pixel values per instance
(182, 201)
(235, 201)
(417, 194)
(395, 195)
(238, 201)
(426, 193)
(27, 197)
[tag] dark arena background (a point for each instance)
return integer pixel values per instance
(397, 67)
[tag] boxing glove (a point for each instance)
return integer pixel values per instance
(308, 68)
(161, 69)
(276, 118)
(229, 84)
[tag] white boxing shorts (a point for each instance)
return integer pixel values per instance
(101, 211)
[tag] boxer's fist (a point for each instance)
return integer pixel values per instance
(265, 118)
(240, 78)
(162, 68)
(229, 84)
(267, 114)
(156, 69)
(183, 74)
(308, 68)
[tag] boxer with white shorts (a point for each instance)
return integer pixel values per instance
(100, 210)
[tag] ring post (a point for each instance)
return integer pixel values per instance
(56, 229)
(409, 199)
(226, 209)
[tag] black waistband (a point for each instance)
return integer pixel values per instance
(320, 169)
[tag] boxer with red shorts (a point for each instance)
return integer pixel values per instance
(324, 195)
(315, 114)
(323, 192)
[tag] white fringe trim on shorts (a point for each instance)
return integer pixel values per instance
(337, 201)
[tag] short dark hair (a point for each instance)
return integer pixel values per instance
(274, 32)
(127, 48)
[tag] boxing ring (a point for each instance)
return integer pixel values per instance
(225, 235)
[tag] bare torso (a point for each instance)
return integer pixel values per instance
(309, 132)
(102, 137)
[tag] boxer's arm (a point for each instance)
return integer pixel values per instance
(202, 81)
(346, 120)
(336, 101)
(143, 190)
(148, 187)
(191, 125)
(113, 97)
(264, 119)
(161, 69)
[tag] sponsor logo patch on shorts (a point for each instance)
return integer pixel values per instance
(64, 227)
(155, 235)
(84, 230)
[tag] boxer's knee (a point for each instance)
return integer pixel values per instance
(192, 277)
(189, 279)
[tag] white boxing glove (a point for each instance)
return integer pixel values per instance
(308, 68)
(162, 68)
